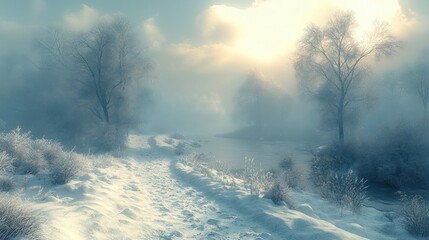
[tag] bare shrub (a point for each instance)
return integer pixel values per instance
(322, 166)
(346, 191)
(221, 167)
(193, 159)
(63, 166)
(331, 160)
(38, 156)
(280, 194)
(49, 149)
(289, 173)
(256, 180)
(63, 169)
(17, 220)
(5, 162)
(416, 215)
(27, 160)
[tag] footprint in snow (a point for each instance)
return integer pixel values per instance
(197, 227)
(213, 222)
(170, 236)
(129, 213)
(163, 209)
(187, 213)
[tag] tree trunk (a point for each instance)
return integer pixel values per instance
(425, 116)
(341, 125)
(106, 114)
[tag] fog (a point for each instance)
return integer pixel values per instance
(209, 68)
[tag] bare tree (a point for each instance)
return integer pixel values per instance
(105, 58)
(102, 70)
(330, 61)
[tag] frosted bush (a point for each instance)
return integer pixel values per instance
(280, 194)
(346, 191)
(63, 169)
(19, 147)
(17, 220)
(416, 215)
(289, 174)
(28, 160)
(331, 160)
(9, 142)
(38, 156)
(196, 161)
(221, 167)
(256, 180)
(63, 166)
(49, 149)
(5, 162)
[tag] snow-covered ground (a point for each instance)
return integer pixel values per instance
(150, 194)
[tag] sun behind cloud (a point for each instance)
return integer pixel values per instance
(268, 30)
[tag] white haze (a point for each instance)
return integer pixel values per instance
(195, 78)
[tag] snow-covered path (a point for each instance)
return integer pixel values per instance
(186, 213)
(147, 194)
(139, 197)
(181, 211)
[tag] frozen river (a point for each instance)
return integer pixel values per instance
(266, 153)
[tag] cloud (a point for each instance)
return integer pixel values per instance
(202, 77)
(39, 5)
(413, 8)
(216, 29)
(82, 20)
(268, 30)
(152, 34)
(16, 36)
(9, 26)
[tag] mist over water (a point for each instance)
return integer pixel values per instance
(218, 71)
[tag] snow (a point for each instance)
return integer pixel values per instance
(148, 193)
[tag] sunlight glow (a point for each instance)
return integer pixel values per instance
(268, 30)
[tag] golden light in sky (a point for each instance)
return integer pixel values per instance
(269, 30)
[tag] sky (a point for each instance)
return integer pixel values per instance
(203, 50)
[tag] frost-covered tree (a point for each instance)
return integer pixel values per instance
(330, 61)
(105, 72)
(106, 58)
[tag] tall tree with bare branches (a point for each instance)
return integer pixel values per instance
(104, 56)
(106, 73)
(330, 61)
